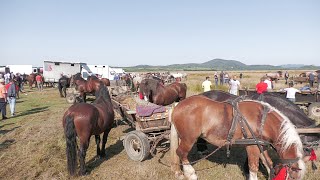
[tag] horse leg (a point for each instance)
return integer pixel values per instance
(60, 91)
(82, 157)
(264, 161)
(84, 96)
(183, 151)
(104, 141)
(98, 144)
(253, 161)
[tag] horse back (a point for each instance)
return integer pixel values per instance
(203, 116)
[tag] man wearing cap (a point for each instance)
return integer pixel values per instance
(3, 99)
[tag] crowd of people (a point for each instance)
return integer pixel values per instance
(233, 83)
(265, 84)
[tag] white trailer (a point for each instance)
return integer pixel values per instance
(102, 71)
(22, 69)
(52, 70)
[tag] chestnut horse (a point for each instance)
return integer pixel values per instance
(275, 76)
(288, 108)
(222, 124)
(83, 120)
(155, 92)
(31, 78)
(87, 86)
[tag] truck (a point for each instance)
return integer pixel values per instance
(52, 70)
(102, 71)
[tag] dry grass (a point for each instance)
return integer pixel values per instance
(32, 145)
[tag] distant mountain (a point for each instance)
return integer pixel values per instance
(218, 64)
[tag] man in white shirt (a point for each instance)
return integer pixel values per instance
(234, 84)
(269, 83)
(291, 92)
(206, 85)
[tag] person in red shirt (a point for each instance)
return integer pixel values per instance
(39, 82)
(261, 87)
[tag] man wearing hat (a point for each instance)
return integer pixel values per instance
(3, 99)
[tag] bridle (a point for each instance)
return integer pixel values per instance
(238, 118)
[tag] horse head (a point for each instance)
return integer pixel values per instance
(287, 142)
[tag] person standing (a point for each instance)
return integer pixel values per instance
(7, 78)
(311, 79)
(3, 99)
(206, 85)
(261, 87)
(234, 84)
(286, 76)
(221, 78)
(12, 90)
(269, 83)
(226, 78)
(318, 81)
(216, 79)
(291, 92)
(241, 75)
(39, 82)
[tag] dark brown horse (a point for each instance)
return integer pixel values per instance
(198, 116)
(155, 92)
(83, 120)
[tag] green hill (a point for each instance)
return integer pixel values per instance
(215, 64)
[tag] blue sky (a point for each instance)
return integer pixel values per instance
(126, 33)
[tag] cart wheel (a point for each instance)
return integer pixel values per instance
(314, 110)
(71, 98)
(137, 145)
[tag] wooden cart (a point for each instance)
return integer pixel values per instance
(148, 133)
(307, 100)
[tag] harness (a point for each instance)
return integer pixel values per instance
(239, 119)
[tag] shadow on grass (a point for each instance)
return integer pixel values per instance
(5, 124)
(111, 151)
(33, 111)
(5, 131)
(5, 144)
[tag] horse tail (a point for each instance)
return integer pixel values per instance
(71, 142)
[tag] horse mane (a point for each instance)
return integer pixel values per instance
(102, 93)
(93, 77)
(288, 135)
(287, 107)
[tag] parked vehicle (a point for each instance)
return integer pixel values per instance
(52, 70)
(22, 69)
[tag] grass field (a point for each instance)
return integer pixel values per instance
(32, 144)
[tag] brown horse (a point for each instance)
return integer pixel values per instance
(84, 120)
(31, 78)
(222, 124)
(155, 92)
(275, 76)
(86, 86)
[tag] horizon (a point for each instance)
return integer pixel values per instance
(126, 33)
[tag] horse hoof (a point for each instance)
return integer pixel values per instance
(179, 175)
(83, 173)
(193, 177)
